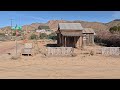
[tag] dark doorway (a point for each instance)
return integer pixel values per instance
(70, 42)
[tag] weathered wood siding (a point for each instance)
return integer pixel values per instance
(59, 51)
(111, 51)
(89, 39)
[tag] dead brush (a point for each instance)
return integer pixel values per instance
(73, 54)
(9, 53)
(91, 52)
(15, 57)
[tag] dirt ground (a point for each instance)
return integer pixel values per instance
(82, 66)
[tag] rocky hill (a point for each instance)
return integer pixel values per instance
(113, 23)
(54, 23)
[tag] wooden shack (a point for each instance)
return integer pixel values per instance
(70, 35)
(88, 36)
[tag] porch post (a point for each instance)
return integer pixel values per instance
(79, 41)
(75, 41)
(65, 41)
(82, 41)
(62, 41)
(93, 39)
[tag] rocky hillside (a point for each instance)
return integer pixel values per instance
(115, 22)
(95, 25)
(54, 23)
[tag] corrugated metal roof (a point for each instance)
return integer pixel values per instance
(71, 33)
(70, 26)
(88, 30)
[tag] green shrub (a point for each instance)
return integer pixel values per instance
(43, 36)
(33, 36)
(14, 34)
(2, 34)
(113, 29)
(52, 36)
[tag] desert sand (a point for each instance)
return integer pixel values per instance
(82, 66)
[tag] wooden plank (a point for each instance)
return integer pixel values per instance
(110, 51)
(65, 41)
(59, 51)
(93, 39)
(79, 41)
(62, 40)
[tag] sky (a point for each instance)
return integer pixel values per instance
(28, 17)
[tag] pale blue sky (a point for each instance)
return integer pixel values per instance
(28, 17)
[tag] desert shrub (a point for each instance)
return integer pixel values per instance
(107, 39)
(14, 34)
(33, 36)
(113, 29)
(52, 36)
(119, 29)
(43, 36)
(2, 34)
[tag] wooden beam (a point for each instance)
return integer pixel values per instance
(65, 41)
(93, 39)
(62, 41)
(79, 41)
(59, 38)
(74, 41)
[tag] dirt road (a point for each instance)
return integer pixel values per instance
(39, 67)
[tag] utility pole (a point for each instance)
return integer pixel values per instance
(11, 26)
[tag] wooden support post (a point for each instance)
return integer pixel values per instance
(62, 40)
(59, 39)
(74, 42)
(93, 39)
(65, 41)
(82, 41)
(79, 41)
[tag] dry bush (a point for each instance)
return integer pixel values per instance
(74, 55)
(91, 52)
(108, 39)
(15, 57)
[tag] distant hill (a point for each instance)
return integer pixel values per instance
(54, 23)
(113, 23)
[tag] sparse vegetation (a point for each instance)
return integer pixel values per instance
(33, 36)
(52, 36)
(108, 39)
(2, 34)
(43, 36)
(115, 29)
